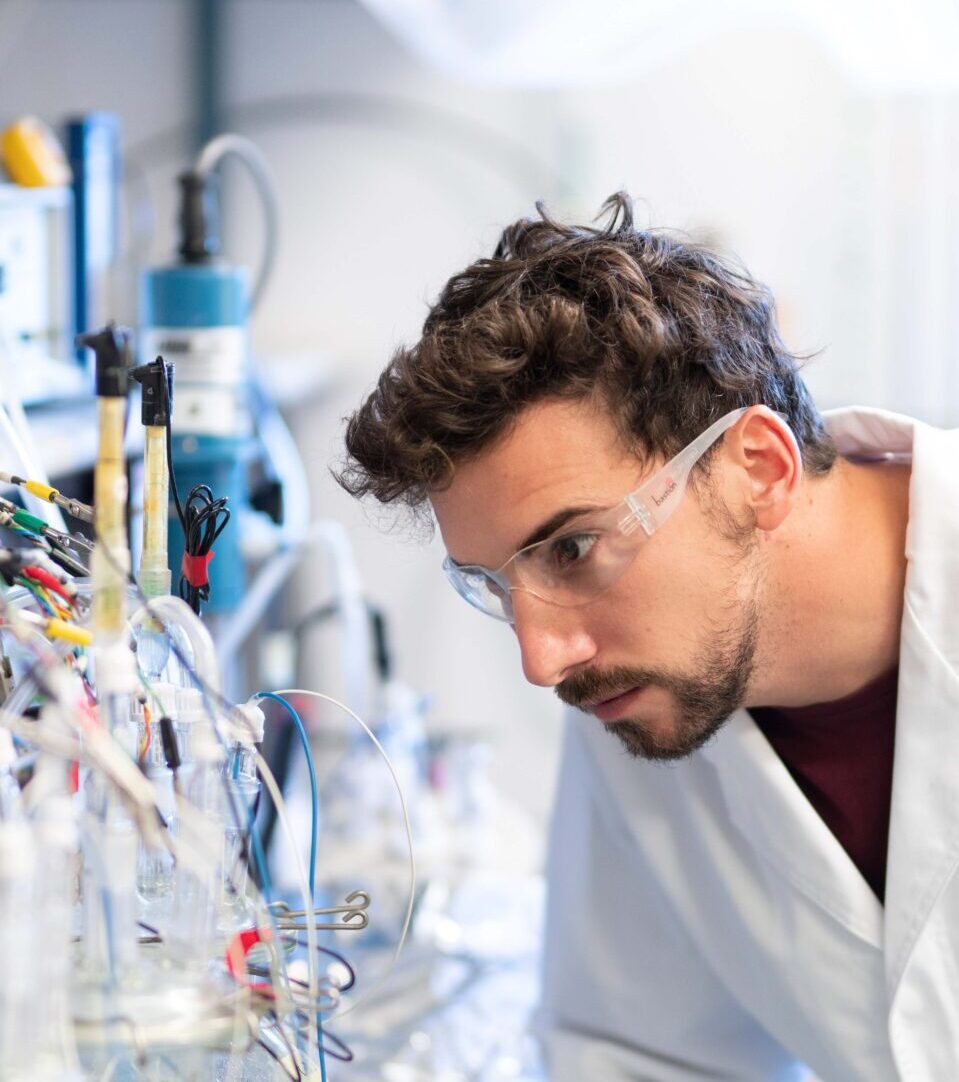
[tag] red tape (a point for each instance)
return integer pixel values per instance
(237, 950)
(196, 569)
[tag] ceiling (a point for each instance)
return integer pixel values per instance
(880, 45)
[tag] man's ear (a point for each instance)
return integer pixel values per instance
(770, 465)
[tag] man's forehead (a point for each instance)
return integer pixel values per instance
(556, 455)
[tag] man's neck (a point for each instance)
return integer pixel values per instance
(834, 589)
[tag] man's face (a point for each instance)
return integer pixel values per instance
(666, 653)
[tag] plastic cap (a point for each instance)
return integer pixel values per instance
(156, 381)
(111, 347)
(247, 723)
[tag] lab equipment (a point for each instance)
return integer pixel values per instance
(195, 313)
(36, 303)
(47, 492)
(156, 390)
(352, 913)
(111, 689)
(247, 727)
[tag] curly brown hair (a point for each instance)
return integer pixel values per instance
(667, 334)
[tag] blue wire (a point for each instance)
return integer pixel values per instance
(305, 741)
(259, 856)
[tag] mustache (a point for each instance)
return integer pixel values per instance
(595, 686)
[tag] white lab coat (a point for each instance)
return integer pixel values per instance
(704, 923)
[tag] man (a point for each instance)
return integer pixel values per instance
(627, 468)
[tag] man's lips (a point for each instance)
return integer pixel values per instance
(618, 706)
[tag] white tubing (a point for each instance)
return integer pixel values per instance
(348, 593)
(347, 590)
(252, 157)
(257, 598)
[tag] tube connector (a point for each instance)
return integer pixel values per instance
(111, 347)
(116, 670)
(247, 723)
(199, 217)
(156, 381)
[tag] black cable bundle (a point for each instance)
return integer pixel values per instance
(204, 519)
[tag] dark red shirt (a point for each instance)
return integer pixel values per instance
(841, 755)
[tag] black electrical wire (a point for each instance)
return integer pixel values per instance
(293, 1056)
(342, 1052)
(337, 957)
(169, 455)
(65, 559)
(205, 518)
(202, 521)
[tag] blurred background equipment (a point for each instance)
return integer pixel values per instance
(195, 312)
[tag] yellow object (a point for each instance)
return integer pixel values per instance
(33, 156)
(60, 629)
(45, 492)
(110, 564)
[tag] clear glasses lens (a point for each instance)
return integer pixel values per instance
(568, 570)
(475, 586)
(575, 568)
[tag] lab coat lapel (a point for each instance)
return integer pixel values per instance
(924, 827)
(770, 809)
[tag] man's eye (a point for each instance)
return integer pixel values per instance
(566, 551)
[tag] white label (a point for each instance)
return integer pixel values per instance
(212, 411)
(211, 355)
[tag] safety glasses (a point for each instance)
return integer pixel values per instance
(582, 561)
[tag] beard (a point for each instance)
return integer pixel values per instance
(704, 698)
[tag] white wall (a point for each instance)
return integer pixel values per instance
(375, 221)
(838, 200)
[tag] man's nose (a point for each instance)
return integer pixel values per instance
(552, 641)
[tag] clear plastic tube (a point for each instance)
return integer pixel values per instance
(154, 574)
(193, 934)
(177, 614)
(110, 843)
(244, 786)
(155, 867)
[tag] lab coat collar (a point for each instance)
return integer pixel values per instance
(770, 809)
(924, 828)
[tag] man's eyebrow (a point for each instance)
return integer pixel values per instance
(551, 525)
(545, 529)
